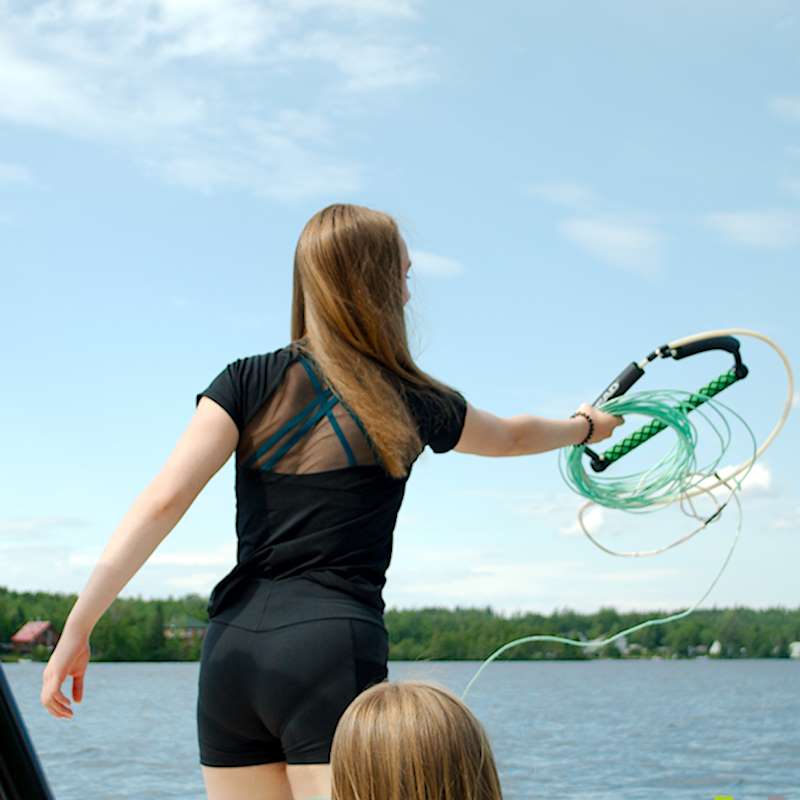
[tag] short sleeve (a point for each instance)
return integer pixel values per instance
(226, 390)
(244, 385)
(446, 429)
(440, 417)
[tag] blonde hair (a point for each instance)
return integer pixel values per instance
(348, 316)
(411, 740)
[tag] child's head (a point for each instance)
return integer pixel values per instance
(411, 740)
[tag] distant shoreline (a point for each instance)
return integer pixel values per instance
(5, 660)
(137, 630)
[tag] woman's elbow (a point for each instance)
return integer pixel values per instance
(486, 434)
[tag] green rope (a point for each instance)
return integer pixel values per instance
(652, 428)
(671, 476)
(667, 481)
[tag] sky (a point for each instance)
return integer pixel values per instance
(577, 184)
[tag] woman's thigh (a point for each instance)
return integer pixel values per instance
(256, 782)
(310, 781)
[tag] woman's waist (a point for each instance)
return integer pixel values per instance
(267, 603)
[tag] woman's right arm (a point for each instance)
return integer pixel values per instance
(485, 434)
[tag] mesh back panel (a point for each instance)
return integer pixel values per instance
(303, 428)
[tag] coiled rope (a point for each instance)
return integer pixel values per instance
(676, 477)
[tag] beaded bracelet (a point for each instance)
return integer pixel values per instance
(591, 426)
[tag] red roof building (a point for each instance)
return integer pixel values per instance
(32, 633)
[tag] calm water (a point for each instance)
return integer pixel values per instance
(600, 729)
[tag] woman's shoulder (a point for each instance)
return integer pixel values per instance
(440, 412)
(284, 352)
(256, 376)
(263, 368)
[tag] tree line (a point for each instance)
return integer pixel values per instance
(132, 629)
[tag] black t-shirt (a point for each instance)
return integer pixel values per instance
(333, 525)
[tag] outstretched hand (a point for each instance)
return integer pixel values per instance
(604, 423)
(70, 658)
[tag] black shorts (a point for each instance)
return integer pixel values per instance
(274, 681)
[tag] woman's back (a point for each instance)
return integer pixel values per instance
(313, 500)
(296, 627)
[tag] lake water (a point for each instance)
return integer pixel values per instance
(677, 729)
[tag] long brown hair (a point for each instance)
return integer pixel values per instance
(347, 314)
(411, 740)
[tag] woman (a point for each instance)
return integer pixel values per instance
(411, 740)
(325, 431)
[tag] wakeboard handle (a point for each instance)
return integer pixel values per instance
(634, 371)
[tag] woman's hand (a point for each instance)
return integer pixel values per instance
(70, 657)
(604, 423)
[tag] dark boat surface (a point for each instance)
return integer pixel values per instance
(21, 774)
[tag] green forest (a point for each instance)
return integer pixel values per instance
(132, 629)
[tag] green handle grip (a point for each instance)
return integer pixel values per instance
(649, 430)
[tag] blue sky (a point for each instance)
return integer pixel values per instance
(576, 185)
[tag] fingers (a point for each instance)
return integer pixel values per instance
(77, 688)
(59, 707)
(56, 703)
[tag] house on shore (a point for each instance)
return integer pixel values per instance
(32, 633)
(185, 627)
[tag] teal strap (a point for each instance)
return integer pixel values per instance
(324, 408)
(358, 422)
(279, 434)
(351, 459)
(323, 402)
(363, 430)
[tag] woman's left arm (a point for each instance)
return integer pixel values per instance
(204, 447)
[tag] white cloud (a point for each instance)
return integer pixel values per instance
(786, 106)
(406, 9)
(624, 243)
(465, 583)
(538, 508)
(366, 66)
(436, 557)
(200, 582)
(185, 88)
(593, 520)
(758, 481)
(528, 502)
(15, 173)
(796, 399)
(564, 193)
(306, 126)
(790, 519)
(222, 557)
(630, 246)
(33, 528)
(23, 566)
(97, 32)
(281, 170)
(637, 576)
(773, 229)
(431, 264)
(493, 491)
(524, 586)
